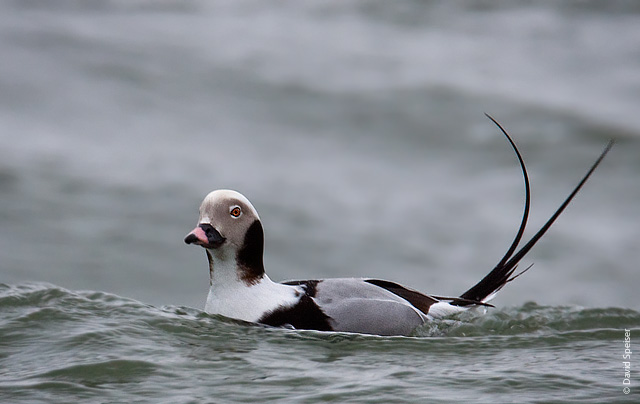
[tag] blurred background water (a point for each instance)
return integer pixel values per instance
(356, 128)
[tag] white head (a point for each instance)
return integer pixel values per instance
(229, 229)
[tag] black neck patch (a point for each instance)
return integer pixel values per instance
(249, 257)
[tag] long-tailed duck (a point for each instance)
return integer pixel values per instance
(230, 230)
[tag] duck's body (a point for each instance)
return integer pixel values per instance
(337, 304)
(230, 230)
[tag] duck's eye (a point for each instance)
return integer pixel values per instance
(235, 211)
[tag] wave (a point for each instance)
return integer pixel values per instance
(35, 304)
(86, 344)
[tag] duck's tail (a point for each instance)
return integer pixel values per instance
(503, 273)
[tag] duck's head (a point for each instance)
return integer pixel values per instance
(229, 229)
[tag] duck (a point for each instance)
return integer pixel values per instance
(230, 231)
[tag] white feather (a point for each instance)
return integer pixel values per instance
(232, 297)
(443, 309)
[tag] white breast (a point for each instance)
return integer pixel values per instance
(249, 302)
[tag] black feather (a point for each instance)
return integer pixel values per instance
(503, 271)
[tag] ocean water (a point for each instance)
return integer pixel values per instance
(63, 346)
(356, 128)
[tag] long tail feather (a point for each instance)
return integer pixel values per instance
(527, 195)
(497, 277)
(503, 272)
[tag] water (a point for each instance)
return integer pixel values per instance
(98, 346)
(357, 130)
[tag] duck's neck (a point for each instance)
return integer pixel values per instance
(245, 263)
(225, 270)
